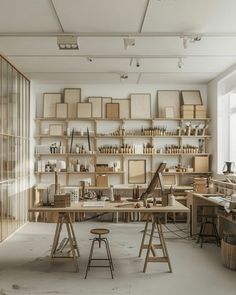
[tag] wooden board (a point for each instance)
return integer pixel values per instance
(124, 107)
(105, 100)
(96, 106)
(49, 104)
(72, 96)
(112, 110)
(62, 110)
(84, 110)
(165, 99)
(140, 106)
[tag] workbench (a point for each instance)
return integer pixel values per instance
(64, 217)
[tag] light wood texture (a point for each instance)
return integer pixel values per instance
(140, 105)
(49, 104)
(105, 100)
(168, 98)
(228, 255)
(62, 110)
(64, 218)
(72, 96)
(84, 110)
(96, 106)
(112, 110)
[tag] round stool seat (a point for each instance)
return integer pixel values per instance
(99, 231)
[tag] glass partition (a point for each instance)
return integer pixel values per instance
(14, 148)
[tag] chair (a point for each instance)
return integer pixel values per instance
(100, 232)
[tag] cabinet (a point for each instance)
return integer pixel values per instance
(114, 142)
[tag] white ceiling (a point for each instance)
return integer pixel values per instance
(28, 30)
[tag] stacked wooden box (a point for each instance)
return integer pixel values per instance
(200, 111)
(201, 164)
(62, 201)
(187, 111)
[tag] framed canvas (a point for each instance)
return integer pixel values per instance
(137, 171)
(61, 110)
(168, 98)
(84, 110)
(96, 106)
(49, 104)
(169, 112)
(191, 97)
(124, 107)
(105, 100)
(140, 106)
(56, 129)
(72, 96)
(170, 180)
(112, 110)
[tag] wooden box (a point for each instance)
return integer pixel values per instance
(201, 164)
(187, 114)
(62, 201)
(102, 181)
(103, 169)
(200, 114)
(200, 108)
(187, 108)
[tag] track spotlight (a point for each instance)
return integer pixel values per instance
(128, 42)
(67, 42)
(137, 63)
(180, 63)
(89, 59)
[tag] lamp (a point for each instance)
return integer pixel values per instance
(67, 42)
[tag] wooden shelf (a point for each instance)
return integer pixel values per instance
(86, 172)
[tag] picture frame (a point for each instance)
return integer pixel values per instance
(140, 106)
(55, 129)
(168, 98)
(137, 171)
(124, 107)
(72, 96)
(62, 110)
(191, 97)
(84, 110)
(169, 112)
(49, 104)
(105, 100)
(112, 110)
(96, 106)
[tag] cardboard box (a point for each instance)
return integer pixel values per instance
(187, 107)
(102, 181)
(201, 164)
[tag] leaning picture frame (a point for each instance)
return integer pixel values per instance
(72, 96)
(61, 110)
(140, 106)
(191, 97)
(137, 171)
(55, 129)
(84, 110)
(49, 104)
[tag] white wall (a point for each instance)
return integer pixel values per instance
(217, 91)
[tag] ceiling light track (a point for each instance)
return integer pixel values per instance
(119, 35)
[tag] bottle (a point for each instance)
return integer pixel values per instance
(171, 200)
(77, 166)
(112, 193)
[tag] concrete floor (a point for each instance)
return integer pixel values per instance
(24, 265)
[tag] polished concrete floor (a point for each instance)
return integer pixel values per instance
(24, 267)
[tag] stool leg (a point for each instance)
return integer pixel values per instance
(108, 256)
(109, 251)
(216, 234)
(200, 233)
(90, 257)
(99, 241)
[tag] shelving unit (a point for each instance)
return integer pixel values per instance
(100, 137)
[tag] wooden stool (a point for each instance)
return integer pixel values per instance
(100, 239)
(208, 220)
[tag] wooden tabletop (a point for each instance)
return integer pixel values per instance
(113, 207)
